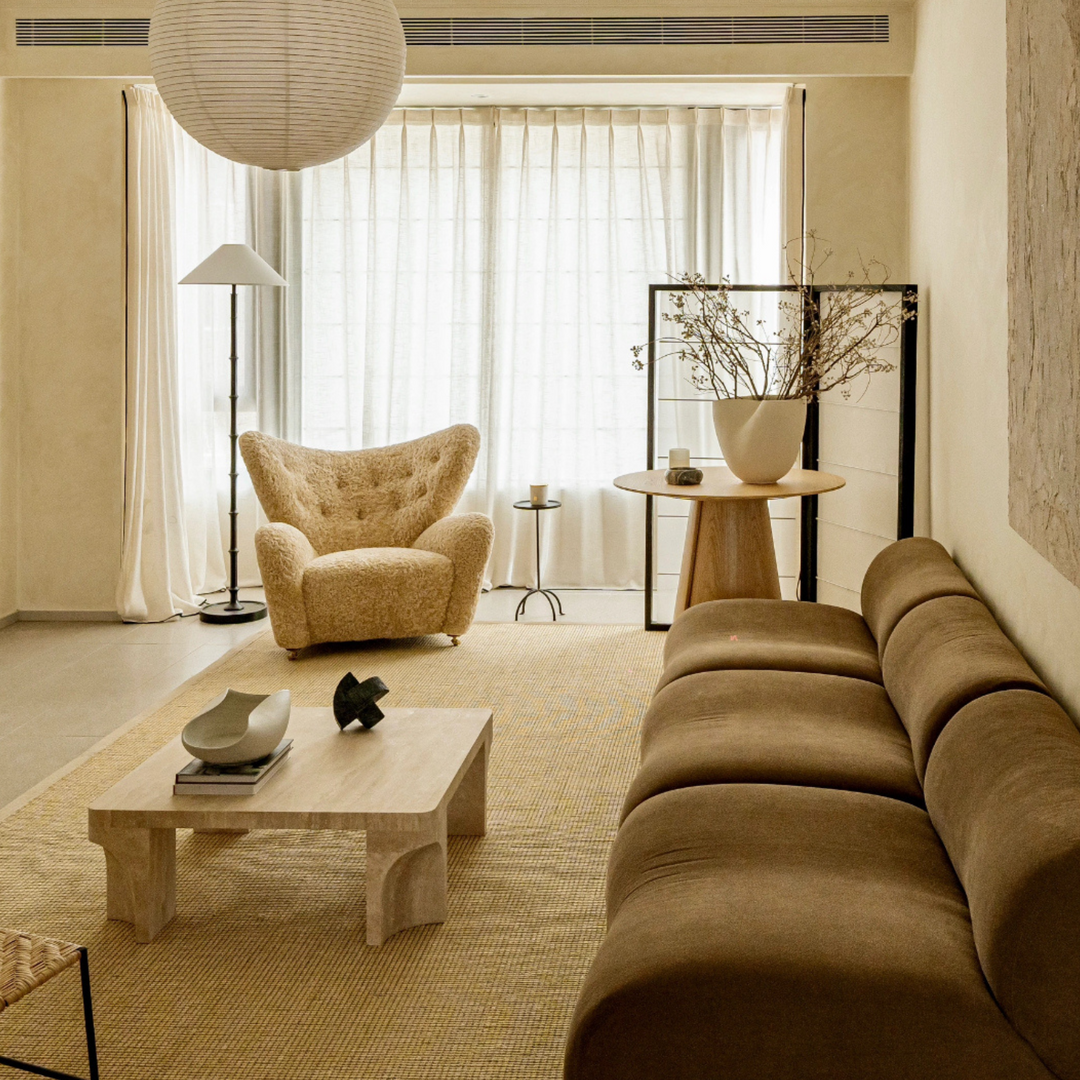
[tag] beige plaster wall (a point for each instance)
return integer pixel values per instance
(63, 319)
(959, 246)
(8, 415)
(856, 170)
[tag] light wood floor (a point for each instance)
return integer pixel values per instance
(66, 685)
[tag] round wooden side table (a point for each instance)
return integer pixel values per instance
(729, 551)
(547, 594)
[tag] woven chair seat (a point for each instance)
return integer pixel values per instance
(28, 961)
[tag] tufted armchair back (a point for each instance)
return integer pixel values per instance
(341, 500)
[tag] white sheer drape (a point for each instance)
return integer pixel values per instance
(183, 202)
(155, 573)
(492, 266)
(481, 265)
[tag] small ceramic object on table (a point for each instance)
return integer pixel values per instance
(679, 470)
(538, 494)
(237, 728)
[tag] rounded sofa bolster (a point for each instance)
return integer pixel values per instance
(766, 931)
(781, 635)
(905, 575)
(773, 727)
(1003, 790)
(945, 653)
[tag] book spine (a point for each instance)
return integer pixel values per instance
(215, 789)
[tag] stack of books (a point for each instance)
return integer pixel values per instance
(203, 778)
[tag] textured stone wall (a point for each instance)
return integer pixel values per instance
(1044, 277)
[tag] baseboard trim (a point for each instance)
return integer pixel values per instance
(7, 620)
(68, 616)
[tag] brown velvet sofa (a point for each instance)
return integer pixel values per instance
(852, 850)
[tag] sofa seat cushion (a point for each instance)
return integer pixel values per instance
(376, 593)
(766, 932)
(943, 654)
(782, 635)
(773, 727)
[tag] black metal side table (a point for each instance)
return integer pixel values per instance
(547, 594)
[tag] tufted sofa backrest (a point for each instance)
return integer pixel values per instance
(905, 575)
(341, 500)
(943, 654)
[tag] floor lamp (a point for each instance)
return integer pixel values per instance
(233, 264)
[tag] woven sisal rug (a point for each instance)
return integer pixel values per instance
(264, 973)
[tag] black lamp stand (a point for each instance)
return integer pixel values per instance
(234, 610)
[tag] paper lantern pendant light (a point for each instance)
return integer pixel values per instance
(283, 84)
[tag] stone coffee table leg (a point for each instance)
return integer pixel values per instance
(406, 877)
(140, 866)
(467, 813)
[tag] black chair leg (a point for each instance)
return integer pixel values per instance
(88, 1014)
(91, 1041)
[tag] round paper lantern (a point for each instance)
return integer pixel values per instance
(278, 83)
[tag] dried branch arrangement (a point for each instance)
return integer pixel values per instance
(809, 348)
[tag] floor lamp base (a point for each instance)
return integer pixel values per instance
(245, 611)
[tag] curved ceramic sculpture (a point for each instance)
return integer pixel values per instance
(236, 728)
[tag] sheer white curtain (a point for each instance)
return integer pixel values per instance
(183, 201)
(492, 266)
(481, 265)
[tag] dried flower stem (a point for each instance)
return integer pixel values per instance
(817, 347)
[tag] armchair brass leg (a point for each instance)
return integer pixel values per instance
(292, 654)
(455, 640)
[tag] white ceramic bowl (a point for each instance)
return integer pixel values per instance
(237, 728)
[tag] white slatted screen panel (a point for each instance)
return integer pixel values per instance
(860, 441)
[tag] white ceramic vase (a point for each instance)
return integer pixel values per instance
(760, 439)
(237, 728)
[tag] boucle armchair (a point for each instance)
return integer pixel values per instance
(359, 544)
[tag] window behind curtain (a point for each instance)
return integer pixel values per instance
(492, 266)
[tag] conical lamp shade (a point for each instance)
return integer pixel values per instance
(234, 264)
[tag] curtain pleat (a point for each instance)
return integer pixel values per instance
(155, 578)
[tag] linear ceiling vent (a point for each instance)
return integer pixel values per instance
(663, 30)
(113, 32)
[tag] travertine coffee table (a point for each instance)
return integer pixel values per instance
(417, 776)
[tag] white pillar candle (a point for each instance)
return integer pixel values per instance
(678, 458)
(538, 494)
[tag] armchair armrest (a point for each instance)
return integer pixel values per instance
(465, 539)
(284, 552)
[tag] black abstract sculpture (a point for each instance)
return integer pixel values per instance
(355, 700)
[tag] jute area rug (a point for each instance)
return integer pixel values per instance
(265, 973)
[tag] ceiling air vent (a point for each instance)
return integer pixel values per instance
(112, 32)
(662, 30)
